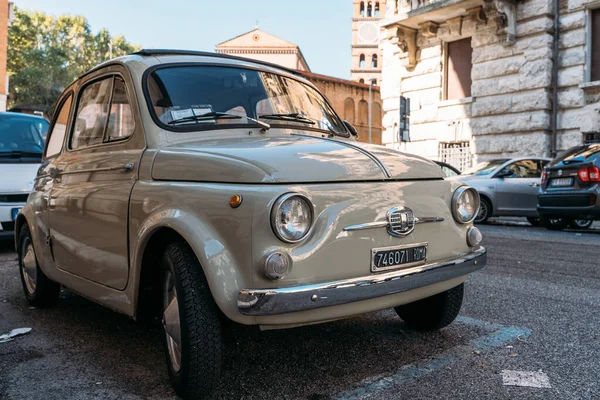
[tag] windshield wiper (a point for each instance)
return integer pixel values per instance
(219, 115)
(19, 154)
(293, 117)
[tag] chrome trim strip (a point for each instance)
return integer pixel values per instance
(125, 168)
(426, 220)
(309, 297)
(367, 153)
(384, 224)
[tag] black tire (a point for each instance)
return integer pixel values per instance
(580, 223)
(534, 221)
(39, 290)
(485, 211)
(554, 224)
(200, 352)
(433, 312)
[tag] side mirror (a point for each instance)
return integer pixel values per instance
(351, 129)
(504, 173)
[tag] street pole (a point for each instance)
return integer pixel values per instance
(370, 111)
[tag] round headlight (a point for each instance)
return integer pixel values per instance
(465, 204)
(291, 217)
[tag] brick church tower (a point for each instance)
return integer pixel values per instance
(366, 56)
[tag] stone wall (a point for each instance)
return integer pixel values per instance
(509, 113)
(350, 100)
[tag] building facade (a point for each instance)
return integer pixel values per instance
(366, 55)
(263, 46)
(358, 103)
(491, 78)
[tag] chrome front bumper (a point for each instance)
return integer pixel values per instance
(308, 297)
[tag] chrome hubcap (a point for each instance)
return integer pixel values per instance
(171, 322)
(29, 266)
(583, 223)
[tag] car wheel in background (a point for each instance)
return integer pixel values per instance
(192, 327)
(433, 312)
(533, 221)
(554, 224)
(485, 211)
(39, 290)
(580, 223)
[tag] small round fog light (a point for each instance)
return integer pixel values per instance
(474, 236)
(277, 265)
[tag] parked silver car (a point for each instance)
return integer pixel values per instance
(507, 187)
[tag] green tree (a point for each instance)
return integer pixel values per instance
(46, 53)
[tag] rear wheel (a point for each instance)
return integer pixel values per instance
(485, 211)
(534, 221)
(580, 223)
(192, 327)
(433, 312)
(39, 290)
(554, 224)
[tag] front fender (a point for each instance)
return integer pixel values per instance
(223, 255)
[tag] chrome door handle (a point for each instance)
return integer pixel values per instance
(128, 167)
(534, 184)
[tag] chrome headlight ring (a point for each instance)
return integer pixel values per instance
(303, 212)
(465, 204)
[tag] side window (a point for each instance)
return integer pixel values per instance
(57, 135)
(525, 169)
(120, 121)
(92, 114)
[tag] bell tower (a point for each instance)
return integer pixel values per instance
(366, 56)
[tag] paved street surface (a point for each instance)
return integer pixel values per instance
(530, 318)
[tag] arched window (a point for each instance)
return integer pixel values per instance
(361, 62)
(363, 112)
(374, 61)
(374, 82)
(349, 110)
(361, 80)
(377, 9)
(376, 114)
(370, 10)
(362, 8)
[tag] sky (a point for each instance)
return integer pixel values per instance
(322, 28)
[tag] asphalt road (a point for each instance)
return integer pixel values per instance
(535, 309)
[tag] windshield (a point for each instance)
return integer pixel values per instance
(22, 134)
(184, 93)
(485, 167)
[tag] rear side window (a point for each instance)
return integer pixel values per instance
(57, 135)
(104, 114)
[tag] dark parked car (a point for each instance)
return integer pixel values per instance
(570, 190)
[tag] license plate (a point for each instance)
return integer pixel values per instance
(14, 212)
(561, 182)
(386, 258)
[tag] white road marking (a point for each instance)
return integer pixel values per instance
(525, 378)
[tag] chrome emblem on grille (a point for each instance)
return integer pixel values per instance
(560, 172)
(401, 221)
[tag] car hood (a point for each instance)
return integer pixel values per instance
(17, 178)
(286, 159)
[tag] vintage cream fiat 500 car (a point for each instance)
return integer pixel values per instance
(202, 188)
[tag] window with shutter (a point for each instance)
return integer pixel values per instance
(458, 69)
(595, 45)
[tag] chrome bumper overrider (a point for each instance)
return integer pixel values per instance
(308, 297)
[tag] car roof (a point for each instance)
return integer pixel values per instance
(20, 115)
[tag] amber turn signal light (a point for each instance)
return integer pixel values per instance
(235, 201)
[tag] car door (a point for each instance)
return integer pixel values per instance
(517, 192)
(44, 181)
(95, 174)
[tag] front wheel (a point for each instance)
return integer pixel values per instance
(433, 312)
(485, 211)
(580, 223)
(192, 327)
(39, 290)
